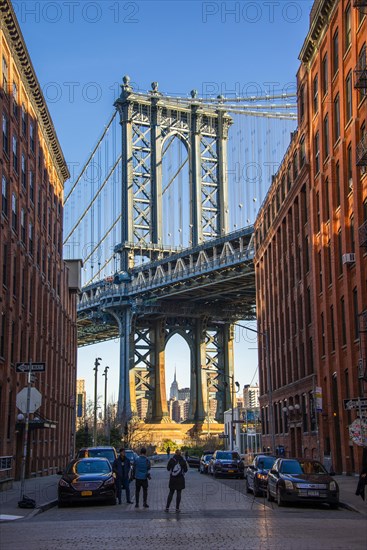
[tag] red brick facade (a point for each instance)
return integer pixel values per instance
(310, 296)
(37, 310)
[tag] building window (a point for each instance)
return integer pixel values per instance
(2, 335)
(317, 152)
(30, 238)
(325, 75)
(348, 97)
(344, 326)
(322, 335)
(326, 137)
(318, 217)
(355, 313)
(308, 305)
(15, 99)
(340, 250)
(335, 52)
(5, 75)
(5, 134)
(332, 328)
(24, 120)
(22, 225)
(327, 203)
(351, 229)
(31, 186)
(14, 213)
(31, 136)
(337, 184)
(336, 118)
(4, 196)
(316, 94)
(24, 172)
(348, 27)
(295, 165)
(5, 265)
(15, 276)
(350, 167)
(320, 269)
(15, 153)
(329, 263)
(307, 255)
(302, 152)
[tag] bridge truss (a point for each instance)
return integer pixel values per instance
(150, 215)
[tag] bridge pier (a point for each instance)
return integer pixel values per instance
(124, 409)
(159, 405)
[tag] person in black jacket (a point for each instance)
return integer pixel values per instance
(121, 467)
(177, 466)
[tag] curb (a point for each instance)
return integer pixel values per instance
(42, 508)
(349, 507)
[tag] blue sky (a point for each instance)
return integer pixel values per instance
(82, 49)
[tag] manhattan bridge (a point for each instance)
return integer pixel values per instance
(161, 215)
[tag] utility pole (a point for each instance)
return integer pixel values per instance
(105, 402)
(96, 365)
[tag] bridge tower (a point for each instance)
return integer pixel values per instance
(148, 123)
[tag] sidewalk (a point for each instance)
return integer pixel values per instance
(44, 491)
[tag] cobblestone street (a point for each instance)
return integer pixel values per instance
(215, 514)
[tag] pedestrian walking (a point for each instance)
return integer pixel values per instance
(141, 470)
(122, 466)
(177, 466)
(168, 452)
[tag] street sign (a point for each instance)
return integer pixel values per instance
(355, 403)
(34, 403)
(26, 367)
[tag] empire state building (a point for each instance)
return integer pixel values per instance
(173, 393)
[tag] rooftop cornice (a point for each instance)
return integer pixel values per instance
(16, 41)
(319, 19)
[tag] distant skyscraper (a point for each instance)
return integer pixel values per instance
(173, 394)
(251, 396)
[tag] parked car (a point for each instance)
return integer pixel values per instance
(101, 451)
(193, 461)
(257, 474)
(131, 455)
(228, 463)
(85, 480)
(204, 463)
(301, 480)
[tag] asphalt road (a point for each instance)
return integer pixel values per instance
(216, 514)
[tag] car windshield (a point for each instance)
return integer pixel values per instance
(312, 468)
(291, 467)
(266, 462)
(91, 467)
(105, 453)
(227, 456)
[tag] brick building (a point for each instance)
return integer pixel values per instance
(37, 303)
(311, 256)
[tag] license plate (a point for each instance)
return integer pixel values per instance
(87, 493)
(313, 493)
(231, 471)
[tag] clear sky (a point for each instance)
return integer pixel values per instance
(81, 50)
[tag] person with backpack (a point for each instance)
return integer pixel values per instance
(177, 466)
(141, 473)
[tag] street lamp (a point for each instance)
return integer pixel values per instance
(105, 402)
(96, 365)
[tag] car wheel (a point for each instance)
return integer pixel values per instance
(280, 501)
(248, 490)
(268, 495)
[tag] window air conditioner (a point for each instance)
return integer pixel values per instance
(349, 258)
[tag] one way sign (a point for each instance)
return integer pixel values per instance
(30, 367)
(355, 403)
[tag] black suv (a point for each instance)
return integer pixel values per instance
(257, 474)
(226, 463)
(99, 451)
